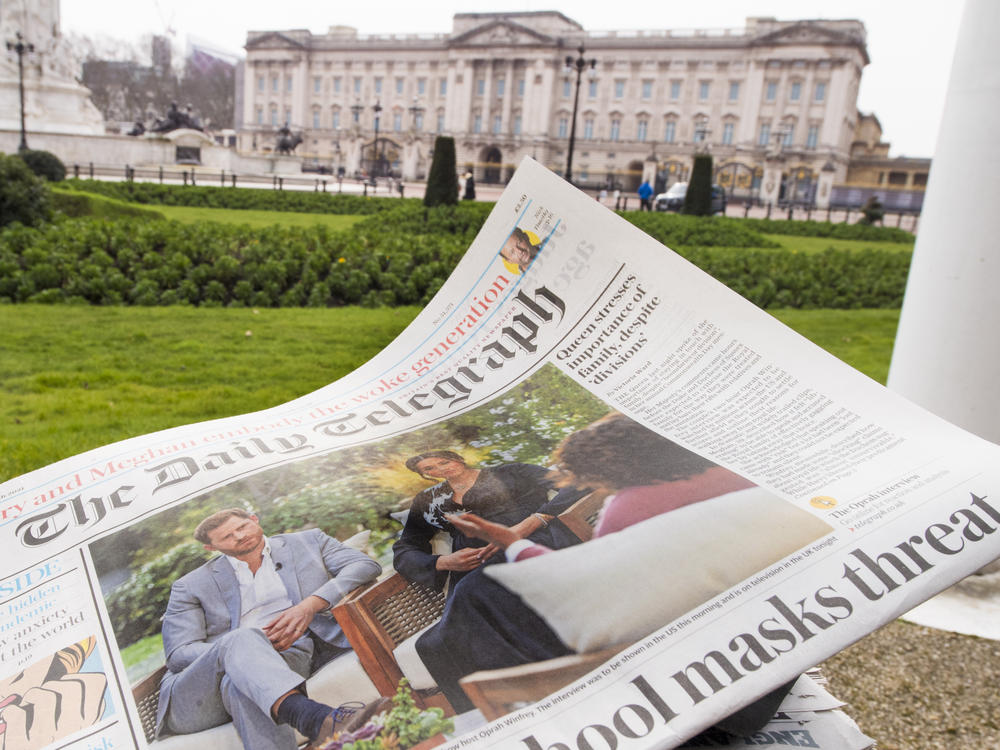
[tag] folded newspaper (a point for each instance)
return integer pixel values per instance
(590, 498)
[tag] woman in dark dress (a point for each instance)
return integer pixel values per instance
(515, 495)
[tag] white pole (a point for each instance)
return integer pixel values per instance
(947, 353)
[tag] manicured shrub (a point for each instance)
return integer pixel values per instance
(698, 199)
(839, 231)
(24, 197)
(45, 164)
(442, 182)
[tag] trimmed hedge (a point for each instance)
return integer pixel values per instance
(442, 183)
(838, 279)
(45, 164)
(676, 230)
(136, 262)
(77, 205)
(240, 198)
(377, 263)
(838, 231)
(656, 224)
(24, 197)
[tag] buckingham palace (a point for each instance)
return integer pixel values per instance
(775, 102)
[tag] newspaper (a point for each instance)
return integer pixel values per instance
(711, 505)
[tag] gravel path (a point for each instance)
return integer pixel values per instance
(916, 688)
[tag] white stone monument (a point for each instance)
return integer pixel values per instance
(54, 100)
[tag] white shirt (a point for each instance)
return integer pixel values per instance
(262, 595)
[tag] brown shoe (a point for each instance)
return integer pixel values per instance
(348, 717)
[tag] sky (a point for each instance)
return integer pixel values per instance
(910, 44)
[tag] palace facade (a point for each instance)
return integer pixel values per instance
(774, 102)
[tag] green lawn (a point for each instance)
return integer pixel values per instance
(819, 244)
(76, 378)
(143, 657)
(193, 214)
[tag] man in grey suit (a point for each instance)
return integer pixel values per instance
(243, 631)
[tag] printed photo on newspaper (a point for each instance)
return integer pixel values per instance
(590, 498)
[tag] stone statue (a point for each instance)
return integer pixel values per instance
(287, 141)
(175, 119)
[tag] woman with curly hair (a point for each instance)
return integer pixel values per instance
(485, 625)
(514, 495)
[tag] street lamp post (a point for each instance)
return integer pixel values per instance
(580, 64)
(20, 47)
(377, 109)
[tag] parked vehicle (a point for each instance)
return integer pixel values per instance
(673, 199)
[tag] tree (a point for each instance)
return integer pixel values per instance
(442, 182)
(23, 196)
(698, 200)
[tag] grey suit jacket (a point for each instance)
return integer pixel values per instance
(204, 605)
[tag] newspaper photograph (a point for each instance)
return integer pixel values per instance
(590, 498)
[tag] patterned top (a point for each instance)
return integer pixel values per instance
(504, 494)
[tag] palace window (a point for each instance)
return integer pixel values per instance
(765, 134)
(812, 136)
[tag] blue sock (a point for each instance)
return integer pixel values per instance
(304, 714)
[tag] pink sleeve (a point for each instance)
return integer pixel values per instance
(535, 550)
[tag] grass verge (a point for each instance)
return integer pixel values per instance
(75, 378)
(258, 219)
(819, 244)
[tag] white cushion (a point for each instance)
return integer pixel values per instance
(410, 664)
(621, 587)
(340, 681)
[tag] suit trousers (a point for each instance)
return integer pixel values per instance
(239, 678)
(484, 626)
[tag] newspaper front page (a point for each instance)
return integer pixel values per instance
(612, 503)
